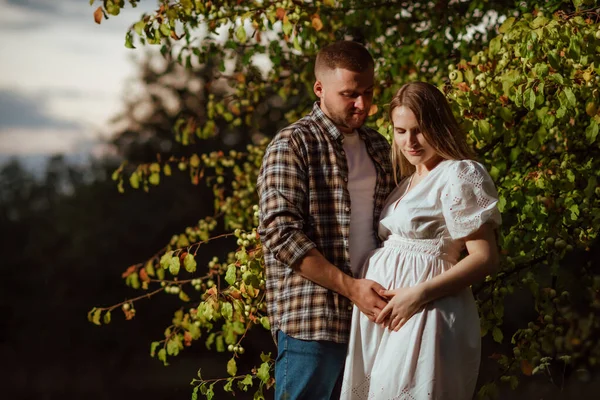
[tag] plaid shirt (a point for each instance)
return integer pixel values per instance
(305, 204)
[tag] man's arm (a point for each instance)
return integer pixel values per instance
(362, 292)
(282, 193)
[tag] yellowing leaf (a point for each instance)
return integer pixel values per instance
(98, 14)
(526, 368)
(373, 110)
(280, 13)
(317, 23)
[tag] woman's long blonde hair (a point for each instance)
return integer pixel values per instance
(436, 122)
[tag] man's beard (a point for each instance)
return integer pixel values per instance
(347, 121)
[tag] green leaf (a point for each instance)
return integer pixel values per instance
(497, 334)
(495, 45)
(506, 114)
(153, 348)
(538, 22)
(556, 77)
(506, 25)
(165, 30)
(96, 317)
(531, 99)
(574, 212)
(247, 381)
(232, 367)
(227, 311)
(210, 392)
(107, 317)
(570, 97)
(554, 61)
(591, 132)
(173, 347)
(296, 43)
(174, 265)
(501, 203)
(162, 356)
(231, 274)
(240, 34)
(154, 178)
(129, 41)
(134, 180)
(189, 262)
(139, 27)
(265, 322)
(220, 345)
(287, 28)
(484, 129)
(210, 340)
(165, 260)
(263, 372)
(183, 296)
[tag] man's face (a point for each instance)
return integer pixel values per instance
(346, 96)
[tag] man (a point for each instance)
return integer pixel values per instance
(322, 186)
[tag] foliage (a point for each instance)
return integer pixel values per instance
(523, 80)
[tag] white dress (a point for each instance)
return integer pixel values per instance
(436, 354)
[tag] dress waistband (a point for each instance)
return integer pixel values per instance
(433, 247)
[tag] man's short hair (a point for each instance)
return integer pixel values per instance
(344, 54)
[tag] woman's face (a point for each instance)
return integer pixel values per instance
(410, 140)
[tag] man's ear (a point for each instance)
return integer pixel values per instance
(318, 88)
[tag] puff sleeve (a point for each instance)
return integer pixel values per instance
(469, 199)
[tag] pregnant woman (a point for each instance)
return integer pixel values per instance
(425, 343)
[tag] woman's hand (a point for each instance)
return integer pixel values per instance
(403, 304)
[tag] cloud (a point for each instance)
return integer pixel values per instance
(19, 110)
(45, 6)
(62, 76)
(19, 141)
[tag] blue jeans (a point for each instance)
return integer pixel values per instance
(306, 369)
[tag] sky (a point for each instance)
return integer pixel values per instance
(62, 77)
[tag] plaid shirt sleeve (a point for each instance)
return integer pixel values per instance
(282, 187)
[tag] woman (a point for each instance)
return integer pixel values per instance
(425, 344)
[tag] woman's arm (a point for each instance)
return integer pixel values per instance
(481, 261)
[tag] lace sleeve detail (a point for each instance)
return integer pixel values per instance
(469, 199)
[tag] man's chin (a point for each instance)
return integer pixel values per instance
(355, 123)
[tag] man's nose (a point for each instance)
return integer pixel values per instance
(360, 103)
